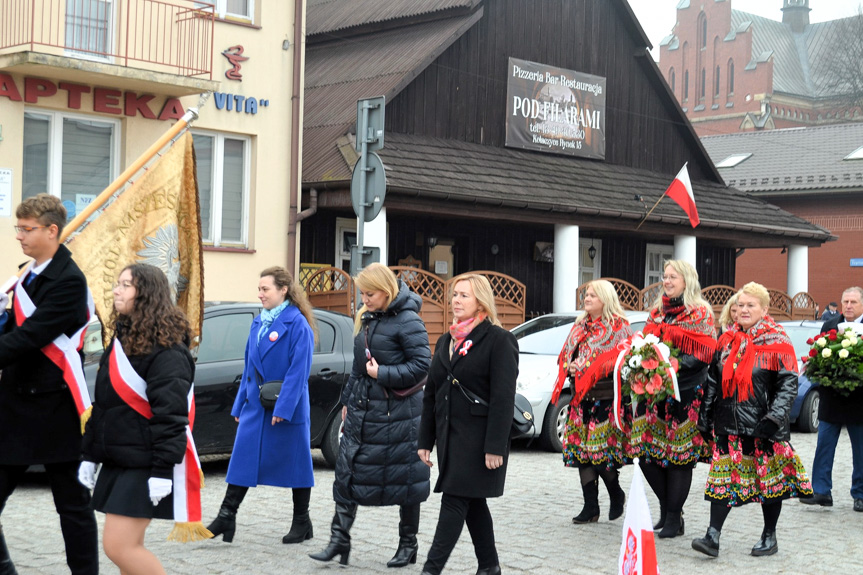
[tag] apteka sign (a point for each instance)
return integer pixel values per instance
(555, 110)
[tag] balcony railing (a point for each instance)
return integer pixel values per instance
(175, 37)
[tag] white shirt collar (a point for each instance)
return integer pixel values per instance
(36, 270)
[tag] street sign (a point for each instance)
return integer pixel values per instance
(370, 256)
(857, 262)
(370, 124)
(375, 187)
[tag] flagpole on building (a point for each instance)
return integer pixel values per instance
(190, 116)
(651, 210)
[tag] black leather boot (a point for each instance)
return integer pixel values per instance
(615, 493)
(709, 544)
(340, 535)
(674, 525)
(409, 522)
(590, 511)
(225, 523)
(6, 565)
(489, 571)
(767, 545)
(662, 515)
(301, 529)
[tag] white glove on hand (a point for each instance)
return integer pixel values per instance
(159, 489)
(87, 474)
(4, 302)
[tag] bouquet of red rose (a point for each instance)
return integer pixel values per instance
(836, 358)
(646, 370)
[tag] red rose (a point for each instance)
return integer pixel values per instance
(833, 332)
(804, 358)
(813, 353)
(649, 363)
(810, 341)
(832, 336)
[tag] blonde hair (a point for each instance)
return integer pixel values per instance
(482, 292)
(611, 308)
(375, 277)
(692, 292)
(725, 316)
(757, 291)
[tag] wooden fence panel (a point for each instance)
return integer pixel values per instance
(433, 292)
(331, 289)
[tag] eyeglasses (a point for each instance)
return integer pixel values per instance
(122, 286)
(27, 229)
(670, 278)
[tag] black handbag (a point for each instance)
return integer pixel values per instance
(269, 392)
(522, 412)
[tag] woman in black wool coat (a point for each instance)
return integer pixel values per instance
(472, 439)
(377, 462)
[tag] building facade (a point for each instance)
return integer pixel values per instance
(733, 71)
(87, 87)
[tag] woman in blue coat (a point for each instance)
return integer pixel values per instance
(272, 446)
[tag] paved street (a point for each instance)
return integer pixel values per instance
(532, 523)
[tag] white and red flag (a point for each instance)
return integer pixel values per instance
(638, 549)
(680, 191)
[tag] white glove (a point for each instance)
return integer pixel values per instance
(159, 489)
(4, 302)
(87, 474)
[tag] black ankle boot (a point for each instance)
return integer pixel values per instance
(225, 523)
(409, 521)
(662, 515)
(489, 571)
(767, 545)
(301, 529)
(6, 565)
(340, 535)
(590, 511)
(615, 493)
(674, 525)
(709, 544)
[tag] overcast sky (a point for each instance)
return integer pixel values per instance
(657, 17)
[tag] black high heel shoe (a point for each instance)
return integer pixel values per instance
(225, 524)
(674, 526)
(333, 549)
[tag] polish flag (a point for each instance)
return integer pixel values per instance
(638, 549)
(680, 191)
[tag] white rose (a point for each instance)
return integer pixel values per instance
(635, 361)
(843, 353)
(637, 343)
(826, 352)
(651, 339)
(846, 343)
(821, 342)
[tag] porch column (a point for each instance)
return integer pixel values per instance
(566, 266)
(684, 249)
(798, 269)
(375, 233)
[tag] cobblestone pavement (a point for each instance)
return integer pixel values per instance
(532, 525)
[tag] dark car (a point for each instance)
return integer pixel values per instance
(804, 412)
(219, 367)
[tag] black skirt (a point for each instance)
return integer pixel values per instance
(123, 491)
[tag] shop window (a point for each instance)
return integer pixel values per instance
(69, 156)
(223, 187)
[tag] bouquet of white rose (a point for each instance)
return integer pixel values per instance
(836, 358)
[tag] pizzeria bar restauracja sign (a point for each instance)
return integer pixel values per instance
(555, 110)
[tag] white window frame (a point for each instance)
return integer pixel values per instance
(55, 148)
(343, 225)
(667, 251)
(595, 266)
(221, 8)
(218, 180)
(110, 49)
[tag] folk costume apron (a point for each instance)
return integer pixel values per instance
(187, 476)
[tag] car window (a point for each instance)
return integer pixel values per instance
(637, 326)
(326, 337)
(547, 342)
(542, 324)
(224, 337)
(798, 336)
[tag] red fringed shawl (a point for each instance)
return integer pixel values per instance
(594, 344)
(692, 332)
(765, 345)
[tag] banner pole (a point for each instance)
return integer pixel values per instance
(79, 220)
(651, 210)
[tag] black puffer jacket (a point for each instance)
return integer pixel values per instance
(773, 393)
(118, 435)
(378, 462)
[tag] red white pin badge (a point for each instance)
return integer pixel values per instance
(274, 336)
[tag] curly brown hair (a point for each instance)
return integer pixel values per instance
(296, 295)
(155, 320)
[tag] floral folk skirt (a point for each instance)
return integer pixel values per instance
(666, 434)
(750, 469)
(591, 438)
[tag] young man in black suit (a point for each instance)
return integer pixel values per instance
(39, 419)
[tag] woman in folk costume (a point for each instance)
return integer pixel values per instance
(751, 386)
(728, 317)
(665, 437)
(382, 405)
(272, 446)
(592, 442)
(140, 421)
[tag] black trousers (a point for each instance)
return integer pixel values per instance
(455, 512)
(72, 501)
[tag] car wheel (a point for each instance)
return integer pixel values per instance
(330, 444)
(807, 421)
(551, 438)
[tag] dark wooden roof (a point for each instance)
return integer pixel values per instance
(540, 187)
(339, 17)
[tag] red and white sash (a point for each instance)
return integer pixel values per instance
(63, 351)
(187, 475)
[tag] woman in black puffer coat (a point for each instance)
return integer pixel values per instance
(377, 462)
